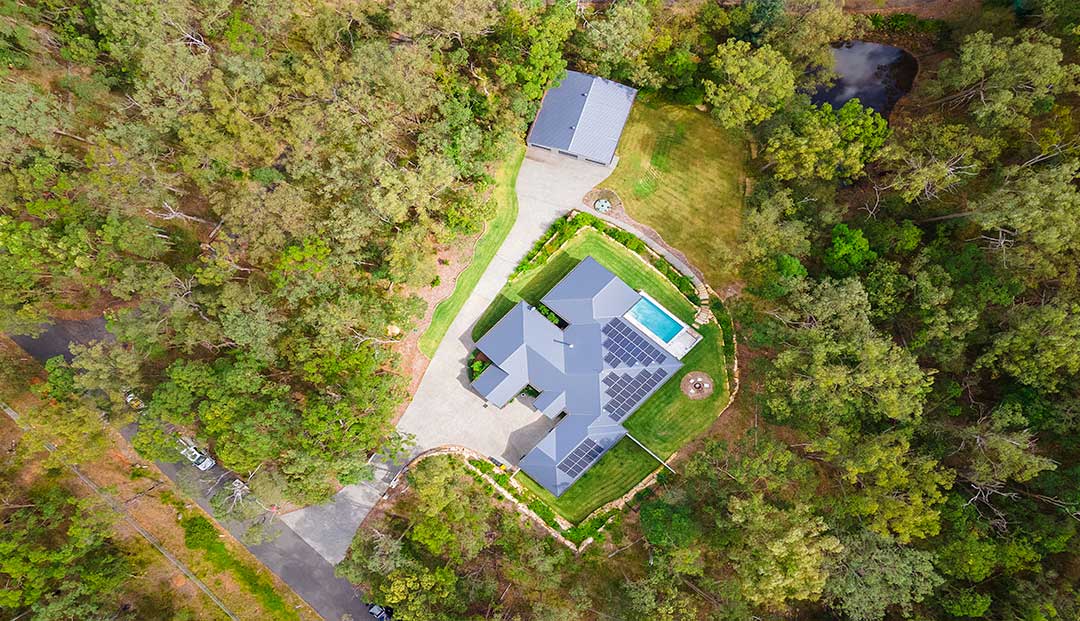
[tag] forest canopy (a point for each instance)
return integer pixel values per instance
(254, 192)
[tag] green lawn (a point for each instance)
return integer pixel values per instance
(628, 266)
(682, 174)
(497, 229)
(620, 469)
(668, 420)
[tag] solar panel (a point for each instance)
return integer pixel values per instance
(581, 457)
(625, 346)
(626, 390)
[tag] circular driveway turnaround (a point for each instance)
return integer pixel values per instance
(445, 410)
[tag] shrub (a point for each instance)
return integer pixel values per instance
(906, 23)
(588, 528)
(477, 365)
(199, 533)
(564, 228)
(727, 328)
(549, 314)
(545, 513)
(482, 465)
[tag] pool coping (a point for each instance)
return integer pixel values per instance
(679, 351)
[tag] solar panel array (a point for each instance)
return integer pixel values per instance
(625, 346)
(625, 390)
(581, 457)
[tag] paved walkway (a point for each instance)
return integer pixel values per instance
(444, 410)
(329, 528)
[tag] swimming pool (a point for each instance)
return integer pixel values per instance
(655, 319)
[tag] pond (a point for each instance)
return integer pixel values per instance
(879, 75)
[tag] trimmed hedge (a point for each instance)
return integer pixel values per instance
(564, 228)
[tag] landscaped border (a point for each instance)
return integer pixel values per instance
(489, 243)
(563, 229)
(557, 239)
(576, 537)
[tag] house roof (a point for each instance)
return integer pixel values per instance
(597, 370)
(584, 115)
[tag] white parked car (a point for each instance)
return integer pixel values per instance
(133, 401)
(198, 458)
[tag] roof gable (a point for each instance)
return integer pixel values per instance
(598, 370)
(584, 115)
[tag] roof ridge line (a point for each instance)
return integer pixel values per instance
(581, 113)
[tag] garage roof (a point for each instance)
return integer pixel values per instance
(583, 116)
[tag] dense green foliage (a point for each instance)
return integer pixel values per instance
(441, 563)
(59, 559)
(257, 190)
(910, 323)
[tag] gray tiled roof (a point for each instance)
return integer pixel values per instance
(584, 115)
(598, 370)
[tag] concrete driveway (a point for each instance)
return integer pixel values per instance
(444, 410)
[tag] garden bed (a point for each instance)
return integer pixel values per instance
(566, 248)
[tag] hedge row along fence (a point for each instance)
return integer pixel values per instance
(563, 229)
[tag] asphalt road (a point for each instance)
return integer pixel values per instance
(59, 336)
(287, 555)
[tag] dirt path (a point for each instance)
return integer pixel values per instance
(926, 9)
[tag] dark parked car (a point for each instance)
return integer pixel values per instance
(380, 613)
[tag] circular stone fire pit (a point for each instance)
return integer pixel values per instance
(697, 385)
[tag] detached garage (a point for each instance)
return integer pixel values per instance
(583, 117)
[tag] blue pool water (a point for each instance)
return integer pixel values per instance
(656, 319)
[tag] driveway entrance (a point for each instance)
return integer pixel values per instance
(445, 410)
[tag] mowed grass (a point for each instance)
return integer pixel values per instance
(669, 419)
(497, 229)
(682, 174)
(625, 264)
(619, 470)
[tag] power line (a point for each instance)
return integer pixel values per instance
(115, 506)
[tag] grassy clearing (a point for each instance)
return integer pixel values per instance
(200, 534)
(668, 420)
(497, 230)
(620, 469)
(682, 174)
(625, 264)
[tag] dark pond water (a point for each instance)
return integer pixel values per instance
(879, 75)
